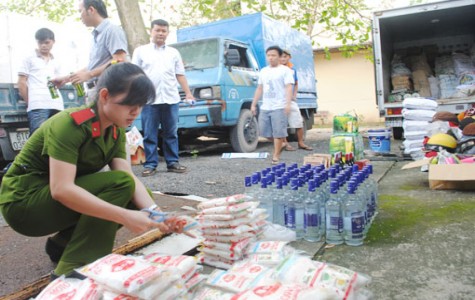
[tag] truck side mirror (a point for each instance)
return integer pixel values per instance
(232, 57)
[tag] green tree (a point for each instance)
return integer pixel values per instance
(53, 10)
(347, 21)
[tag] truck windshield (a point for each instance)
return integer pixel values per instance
(200, 54)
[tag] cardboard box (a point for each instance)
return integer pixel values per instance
(138, 157)
(317, 159)
(452, 177)
(448, 177)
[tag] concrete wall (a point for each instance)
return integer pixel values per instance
(343, 85)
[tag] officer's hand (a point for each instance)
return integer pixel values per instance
(253, 110)
(139, 222)
(176, 225)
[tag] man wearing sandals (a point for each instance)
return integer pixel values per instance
(164, 66)
(295, 118)
(275, 88)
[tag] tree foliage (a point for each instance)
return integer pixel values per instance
(346, 21)
(53, 10)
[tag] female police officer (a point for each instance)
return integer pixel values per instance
(54, 186)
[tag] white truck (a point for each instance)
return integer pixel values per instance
(435, 30)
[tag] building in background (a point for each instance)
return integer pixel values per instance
(345, 85)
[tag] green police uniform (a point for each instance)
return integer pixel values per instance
(71, 136)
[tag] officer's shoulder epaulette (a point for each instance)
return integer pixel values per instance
(83, 115)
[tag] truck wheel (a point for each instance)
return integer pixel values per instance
(398, 133)
(245, 134)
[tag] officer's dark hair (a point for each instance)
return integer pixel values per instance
(159, 22)
(98, 5)
(127, 78)
(44, 34)
(277, 48)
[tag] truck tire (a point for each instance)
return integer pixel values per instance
(245, 134)
(398, 133)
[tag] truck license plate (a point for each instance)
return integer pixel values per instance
(19, 138)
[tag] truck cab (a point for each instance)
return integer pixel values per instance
(222, 74)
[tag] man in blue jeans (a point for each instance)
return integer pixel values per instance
(33, 76)
(164, 66)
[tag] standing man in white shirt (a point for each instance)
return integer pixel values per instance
(275, 88)
(164, 66)
(33, 77)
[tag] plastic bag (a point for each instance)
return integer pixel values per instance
(230, 209)
(302, 270)
(419, 103)
(71, 289)
(280, 291)
(129, 275)
(223, 201)
(276, 232)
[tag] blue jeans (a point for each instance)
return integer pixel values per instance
(164, 116)
(36, 117)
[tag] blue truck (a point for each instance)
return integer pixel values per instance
(222, 61)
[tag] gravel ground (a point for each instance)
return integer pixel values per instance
(210, 176)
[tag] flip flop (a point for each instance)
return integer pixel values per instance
(307, 148)
(275, 161)
(290, 148)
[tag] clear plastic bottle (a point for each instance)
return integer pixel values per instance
(278, 202)
(312, 214)
(265, 201)
(353, 217)
(248, 189)
(322, 199)
(334, 219)
(291, 207)
(373, 187)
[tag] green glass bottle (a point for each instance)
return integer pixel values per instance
(79, 89)
(52, 89)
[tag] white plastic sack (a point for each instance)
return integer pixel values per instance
(413, 125)
(415, 135)
(419, 103)
(418, 114)
(225, 201)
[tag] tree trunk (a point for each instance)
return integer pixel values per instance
(132, 23)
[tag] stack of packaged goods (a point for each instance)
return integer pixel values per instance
(283, 274)
(228, 225)
(417, 113)
(128, 277)
(346, 143)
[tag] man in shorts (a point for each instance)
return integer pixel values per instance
(275, 87)
(295, 118)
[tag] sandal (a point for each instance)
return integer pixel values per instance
(289, 148)
(305, 147)
(275, 161)
(148, 172)
(176, 168)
